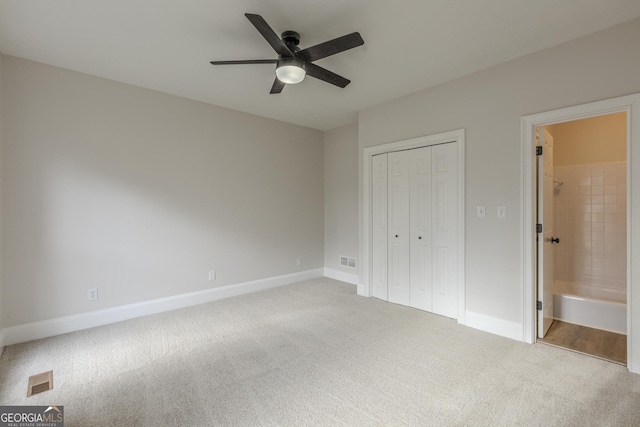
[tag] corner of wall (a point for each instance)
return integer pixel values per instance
(341, 224)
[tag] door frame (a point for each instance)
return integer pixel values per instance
(629, 104)
(365, 288)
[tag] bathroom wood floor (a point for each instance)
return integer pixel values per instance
(602, 344)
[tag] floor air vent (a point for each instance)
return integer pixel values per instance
(40, 383)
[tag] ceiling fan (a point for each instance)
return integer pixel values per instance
(292, 63)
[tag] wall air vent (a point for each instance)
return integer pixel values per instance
(348, 262)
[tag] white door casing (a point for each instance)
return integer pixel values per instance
(545, 244)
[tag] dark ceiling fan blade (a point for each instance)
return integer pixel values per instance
(331, 47)
(277, 86)
(247, 61)
(325, 75)
(269, 35)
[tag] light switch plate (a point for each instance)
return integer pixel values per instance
(481, 212)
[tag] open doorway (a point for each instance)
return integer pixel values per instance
(630, 105)
(582, 244)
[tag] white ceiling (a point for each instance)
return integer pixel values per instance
(409, 45)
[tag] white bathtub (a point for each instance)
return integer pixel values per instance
(593, 306)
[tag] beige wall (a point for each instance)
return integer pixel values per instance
(601, 139)
(489, 105)
(140, 194)
(341, 196)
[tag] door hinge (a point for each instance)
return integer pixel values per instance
(539, 305)
(538, 228)
(539, 150)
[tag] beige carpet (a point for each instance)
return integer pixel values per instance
(314, 353)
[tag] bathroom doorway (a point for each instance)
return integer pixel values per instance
(630, 105)
(582, 244)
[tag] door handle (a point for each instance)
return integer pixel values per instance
(555, 240)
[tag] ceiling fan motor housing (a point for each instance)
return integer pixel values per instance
(291, 38)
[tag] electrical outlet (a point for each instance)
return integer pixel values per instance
(92, 294)
(299, 261)
(212, 275)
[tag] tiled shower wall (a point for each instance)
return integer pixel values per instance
(590, 218)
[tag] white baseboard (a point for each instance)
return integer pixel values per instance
(352, 278)
(63, 325)
(504, 328)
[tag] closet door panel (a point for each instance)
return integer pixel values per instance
(420, 225)
(380, 251)
(398, 227)
(444, 230)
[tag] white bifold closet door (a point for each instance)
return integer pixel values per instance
(379, 221)
(414, 228)
(398, 227)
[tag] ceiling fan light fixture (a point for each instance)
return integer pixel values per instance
(290, 71)
(293, 64)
